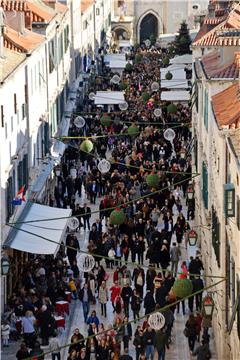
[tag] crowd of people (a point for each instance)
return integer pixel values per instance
(138, 261)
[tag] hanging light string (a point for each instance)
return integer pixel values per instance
(115, 327)
(113, 162)
(127, 263)
(107, 209)
(104, 136)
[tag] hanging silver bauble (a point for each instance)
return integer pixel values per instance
(148, 43)
(157, 112)
(156, 321)
(155, 86)
(73, 223)
(123, 106)
(169, 134)
(91, 95)
(79, 122)
(86, 262)
(115, 79)
(104, 166)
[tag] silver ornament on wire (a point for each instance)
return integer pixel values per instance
(155, 86)
(104, 166)
(156, 321)
(79, 122)
(116, 79)
(86, 262)
(169, 134)
(123, 106)
(91, 95)
(157, 112)
(73, 223)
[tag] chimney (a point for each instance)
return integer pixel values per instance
(211, 10)
(50, 3)
(16, 20)
(2, 29)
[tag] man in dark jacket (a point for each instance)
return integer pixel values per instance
(85, 296)
(127, 332)
(149, 340)
(126, 295)
(86, 214)
(195, 266)
(125, 356)
(160, 344)
(149, 303)
(202, 352)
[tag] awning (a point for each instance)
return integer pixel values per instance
(114, 57)
(182, 59)
(175, 95)
(53, 230)
(109, 97)
(124, 43)
(118, 64)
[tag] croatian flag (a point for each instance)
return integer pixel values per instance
(20, 197)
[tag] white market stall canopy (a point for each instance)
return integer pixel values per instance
(53, 229)
(183, 59)
(114, 57)
(109, 98)
(124, 43)
(178, 80)
(117, 64)
(177, 73)
(175, 95)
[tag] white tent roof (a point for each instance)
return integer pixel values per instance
(174, 84)
(52, 230)
(114, 57)
(175, 95)
(117, 64)
(178, 73)
(109, 97)
(124, 43)
(183, 59)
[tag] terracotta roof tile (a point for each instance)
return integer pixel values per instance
(42, 12)
(215, 68)
(226, 107)
(85, 4)
(214, 20)
(224, 34)
(10, 62)
(25, 42)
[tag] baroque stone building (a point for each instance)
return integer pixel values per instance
(137, 20)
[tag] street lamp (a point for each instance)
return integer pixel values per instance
(190, 192)
(192, 237)
(5, 265)
(208, 306)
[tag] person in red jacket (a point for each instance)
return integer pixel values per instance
(115, 292)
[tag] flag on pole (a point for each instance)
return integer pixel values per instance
(20, 194)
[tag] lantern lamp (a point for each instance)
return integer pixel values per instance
(86, 146)
(190, 193)
(182, 288)
(153, 180)
(5, 265)
(183, 153)
(192, 237)
(117, 217)
(133, 130)
(208, 306)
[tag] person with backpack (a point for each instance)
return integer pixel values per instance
(190, 331)
(202, 352)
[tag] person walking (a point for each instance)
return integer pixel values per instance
(127, 332)
(135, 304)
(54, 347)
(23, 352)
(149, 302)
(5, 329)
(103, 298)
(160, 343)
(191, 331)
(86, 214)
(149, 340)
(138, 342)
(202, 352)
(115, 292)
(126, 295)
(85, 296)
(175, 254)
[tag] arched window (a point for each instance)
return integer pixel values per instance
(148, 27)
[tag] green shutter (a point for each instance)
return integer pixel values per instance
(205, 185)
(206, 109)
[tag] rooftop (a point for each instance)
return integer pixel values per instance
(21, 42)
(226, 33)
(10, 62)
(214, 67)
(226, 107)
(85, 4)
(234, 140)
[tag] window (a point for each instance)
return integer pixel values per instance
(39, 75)
(6, 131)
(20, 174)
(238, 212)
(2, 116)
(15, 103)
(109, 19)
(60, 47)
(23, 111)
(216, 235)
(85, 24)
(206, 109)
(11, 123)
(25, 171)
(66, 39)
(229, 200)
(9, 197)
(205, 185)
(31, 81)
(51, 55)
(233, 281)
(97, 11)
